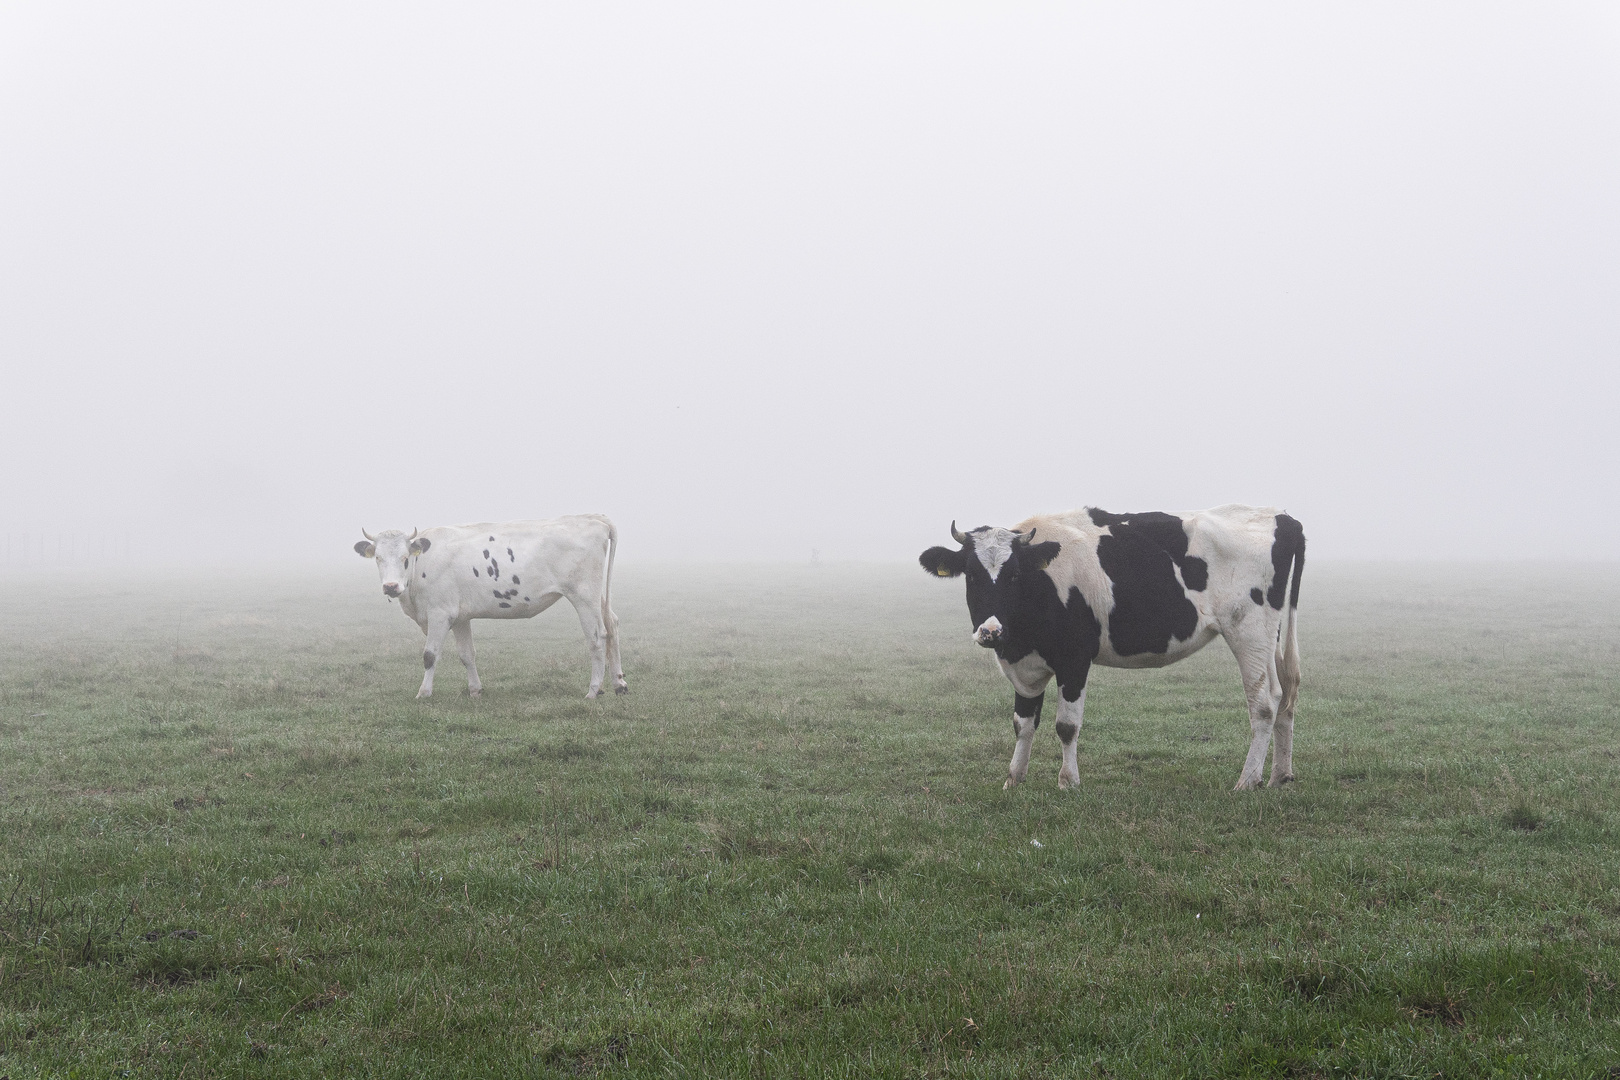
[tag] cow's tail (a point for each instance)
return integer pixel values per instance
(1288, 642)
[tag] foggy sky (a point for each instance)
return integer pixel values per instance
(756, 279)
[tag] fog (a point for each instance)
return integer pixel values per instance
(758, 280)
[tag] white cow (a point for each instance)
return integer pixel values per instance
(448, 576)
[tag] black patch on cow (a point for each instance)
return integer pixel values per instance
(498, 594)
(511, 557)
(1066, 731)
(491, 540)
(1034, 618)
(1256, 595)
(1028, 707)
(428, 658)
(505, 604)
(525, 599)
(1287, 546)
(1164, 530)
(516, 580)
(475, 571)
(943, 562)
(424, 577)
(495, 570)
(486, 552)
(1195, 572)
(1150, 606)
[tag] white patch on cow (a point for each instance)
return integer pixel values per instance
(994, 548)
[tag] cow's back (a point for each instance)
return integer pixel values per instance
(1161, 593)
(511, 569)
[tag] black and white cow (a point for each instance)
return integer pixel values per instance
(1060, 592)
(448, 576)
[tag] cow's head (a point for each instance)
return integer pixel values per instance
(393, 550)
(997, 562)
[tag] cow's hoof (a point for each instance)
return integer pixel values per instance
(1067, 783)
(475, 693)
(1245, 785)
(423, 695)
(621, 689)
(1008, 784)
(1279, 781)
(591, 695)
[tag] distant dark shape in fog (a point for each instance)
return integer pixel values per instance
(757, 281)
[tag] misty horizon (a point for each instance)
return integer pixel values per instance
(756, 283)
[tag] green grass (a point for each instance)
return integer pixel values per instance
(231, 843)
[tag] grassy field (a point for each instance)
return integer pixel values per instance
(231, 843)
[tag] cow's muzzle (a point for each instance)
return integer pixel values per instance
(392, 589)
(989, 633)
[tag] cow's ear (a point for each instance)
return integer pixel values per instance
(942, 561)
(421, 544)
(1040, 556)
(365, 549)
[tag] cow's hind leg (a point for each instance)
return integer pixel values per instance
(1258, 664)
(1282, 753)
(436, 629)
(596, 638)
(614, 666)
(1026, 718)
(464, 645)
(1282, 748)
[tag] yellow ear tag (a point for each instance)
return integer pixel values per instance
(943, 572)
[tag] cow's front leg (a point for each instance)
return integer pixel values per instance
(436, 629)
(1026, 718)
(1069, 715)
(464, 646)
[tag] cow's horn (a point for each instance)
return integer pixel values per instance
(411, 537)
(957, 536)
(1026, 538)
(367, 535)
